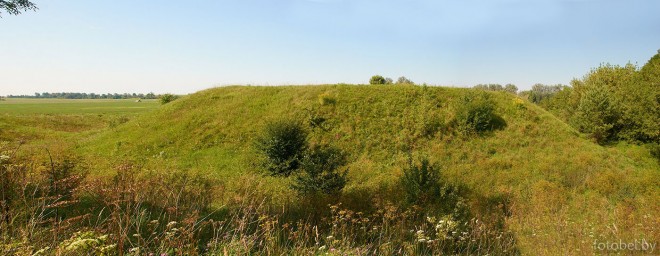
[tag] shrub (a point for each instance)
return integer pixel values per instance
(320, 171)
(423, 186)
(421, 182)
(283, 144)
(167, 98)
(475, 114)
(377, 79)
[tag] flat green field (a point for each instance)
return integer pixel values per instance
(22, 106)
(65, 121)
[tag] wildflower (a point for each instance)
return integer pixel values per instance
(421, 240)
(322, 248)
(172, 223)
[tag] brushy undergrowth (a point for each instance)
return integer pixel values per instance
(52, 209)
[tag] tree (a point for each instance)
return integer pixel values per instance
(15, 7)
(377, 79)
(404, 80)
(495, 87)
(542, 92)
(597, 114)
(511, 88)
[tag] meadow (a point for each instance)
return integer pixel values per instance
(185, 177)
(25, 106)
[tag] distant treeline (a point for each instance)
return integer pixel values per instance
(78, 95)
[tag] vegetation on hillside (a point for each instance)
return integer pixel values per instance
(611, 103)
(531, 175)
(359, 169)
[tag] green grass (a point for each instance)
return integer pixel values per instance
(559, 190)
(24, 106)
(60, 124)
(563, 188)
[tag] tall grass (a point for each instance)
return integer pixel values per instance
(51, 208)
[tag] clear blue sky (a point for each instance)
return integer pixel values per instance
(185, 46)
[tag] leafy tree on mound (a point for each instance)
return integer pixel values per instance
(404, 80)
(378, 79)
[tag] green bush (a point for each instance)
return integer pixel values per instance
(283, 144)
(423, 186)
(421, 182)
(320, 171)
(377, 79)
(597, 114)
(475, 114)
(167, 98)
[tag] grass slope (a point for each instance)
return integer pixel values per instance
(562, 192)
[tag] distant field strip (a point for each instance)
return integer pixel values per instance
(75, 106)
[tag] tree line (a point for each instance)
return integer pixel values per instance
(610, 103)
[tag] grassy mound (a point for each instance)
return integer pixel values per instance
(559, 191)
